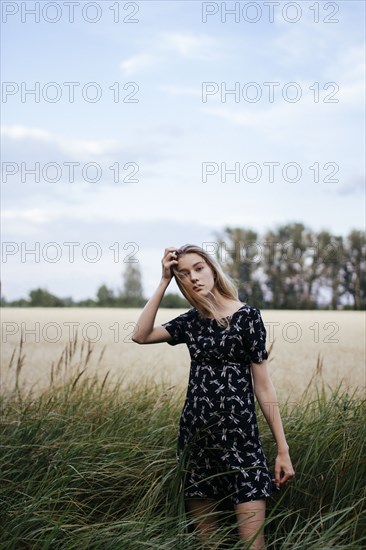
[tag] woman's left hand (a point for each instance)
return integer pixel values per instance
(284, 470)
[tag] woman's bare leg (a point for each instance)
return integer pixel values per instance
(199, 508)
(250, 516)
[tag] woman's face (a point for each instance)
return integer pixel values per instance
(197, 274)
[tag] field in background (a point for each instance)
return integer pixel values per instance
(298, 341)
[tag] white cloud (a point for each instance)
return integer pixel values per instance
(353, 184)
(34, 216)
(27, 223)
(276, 121)
(321, 50)
(84, 148)
(307, 43)
(181, 90)
(348, 69)
(139, 62)
(184, 45)
(75, 147)
(311, 120)
(189, 44)
(350, 64)
(18, 132)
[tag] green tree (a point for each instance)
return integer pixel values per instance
(132, 295)
(18, 303)
(42, 298)
(87, 303)
(237, 252)
(330, 259)
(354, 268)
(105, 297)
(289, 265)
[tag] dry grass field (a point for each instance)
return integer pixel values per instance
(296, 340)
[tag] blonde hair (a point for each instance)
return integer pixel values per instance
(224, 284)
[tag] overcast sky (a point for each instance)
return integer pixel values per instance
(161, 123)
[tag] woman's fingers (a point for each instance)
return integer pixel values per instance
(170, 256)
(170, 253)
(283, 472)
(169, 259)
(287, 477)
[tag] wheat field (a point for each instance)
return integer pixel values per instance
(55, 339)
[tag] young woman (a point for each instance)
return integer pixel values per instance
(218, 425)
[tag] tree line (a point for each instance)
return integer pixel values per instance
(291, 267)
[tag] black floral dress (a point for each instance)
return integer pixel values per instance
(218, 431)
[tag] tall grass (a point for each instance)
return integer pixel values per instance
(87, 465)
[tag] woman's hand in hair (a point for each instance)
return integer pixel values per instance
(169, 260)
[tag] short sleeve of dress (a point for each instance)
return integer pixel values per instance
(255, 336)
(176, 328)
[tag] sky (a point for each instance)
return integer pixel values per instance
(130, 127)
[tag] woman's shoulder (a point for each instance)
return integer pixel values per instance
(248, 309)
(187, 315)
(249, 313)
(190, 312)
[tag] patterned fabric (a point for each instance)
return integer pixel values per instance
(218, 432)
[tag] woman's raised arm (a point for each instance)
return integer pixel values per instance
(145, 332)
